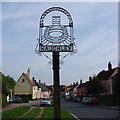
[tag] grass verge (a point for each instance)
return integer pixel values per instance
(32, 114)
(109, 100)
(15, 113)
(49, 113)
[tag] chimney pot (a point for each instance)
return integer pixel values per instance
(80, 81)
(109, 66)
(33, 79)
(90, 78)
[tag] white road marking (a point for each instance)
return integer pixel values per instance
(74, 116)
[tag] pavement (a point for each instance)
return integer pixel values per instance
(35, 103)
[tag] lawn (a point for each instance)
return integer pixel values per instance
(109, 100)
(49, 114)
(32, 113)
(15, 113)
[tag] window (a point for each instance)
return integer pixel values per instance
(23, 80)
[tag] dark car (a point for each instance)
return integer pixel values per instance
(15, 98)
(62, 96)
(76, 99)
(71, 98)
(92, 100)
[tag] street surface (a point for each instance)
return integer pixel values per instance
(91, 112)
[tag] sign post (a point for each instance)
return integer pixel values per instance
(56, 38)
(57, 112)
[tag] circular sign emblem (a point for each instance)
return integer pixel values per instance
(55, 34)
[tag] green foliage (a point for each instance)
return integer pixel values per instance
(32, 113)
(94, 87)
(15, 113)
(26, 99)
(7, 84)
(116, 83)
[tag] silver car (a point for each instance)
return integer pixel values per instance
(45, 101)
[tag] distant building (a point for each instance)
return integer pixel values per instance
(45, 92)
(106, 78)
(26, 87)
(81, 89)
(72, 89)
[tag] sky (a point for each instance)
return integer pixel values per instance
(95, 33)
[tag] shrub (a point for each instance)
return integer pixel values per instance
(18, 101)
(26, 99)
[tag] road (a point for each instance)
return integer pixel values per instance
(91, 112)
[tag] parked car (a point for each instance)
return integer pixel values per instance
(92, 100)
(62, 96)
(67, 97)
(85, 100)
(71, 98)
(76, 99)
(45, 101)
(15, 98)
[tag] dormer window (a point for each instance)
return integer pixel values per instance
(23, 80)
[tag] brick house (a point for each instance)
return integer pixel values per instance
(81, 89)
(106, 78)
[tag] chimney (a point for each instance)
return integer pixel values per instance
(109, 66)
(81, 81)
(29, 73)
(90, 78)
(33, 78)
(76, 83)
(44, 83)
(39, 81)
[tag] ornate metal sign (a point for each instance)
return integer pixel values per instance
(55, 37)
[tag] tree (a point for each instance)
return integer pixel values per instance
(116, 82)
(94, 87)
(7, 84)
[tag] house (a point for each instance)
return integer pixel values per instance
(26, 87)
(106, 78)
(45, 92)
(72, 90)
(81, 89)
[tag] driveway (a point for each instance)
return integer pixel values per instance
(35, 103)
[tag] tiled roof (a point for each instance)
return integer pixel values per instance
(105, 75)
(83, 84)
(72, 87)
(42, 86)
(32, 82)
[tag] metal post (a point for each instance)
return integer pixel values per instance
(57, 113)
